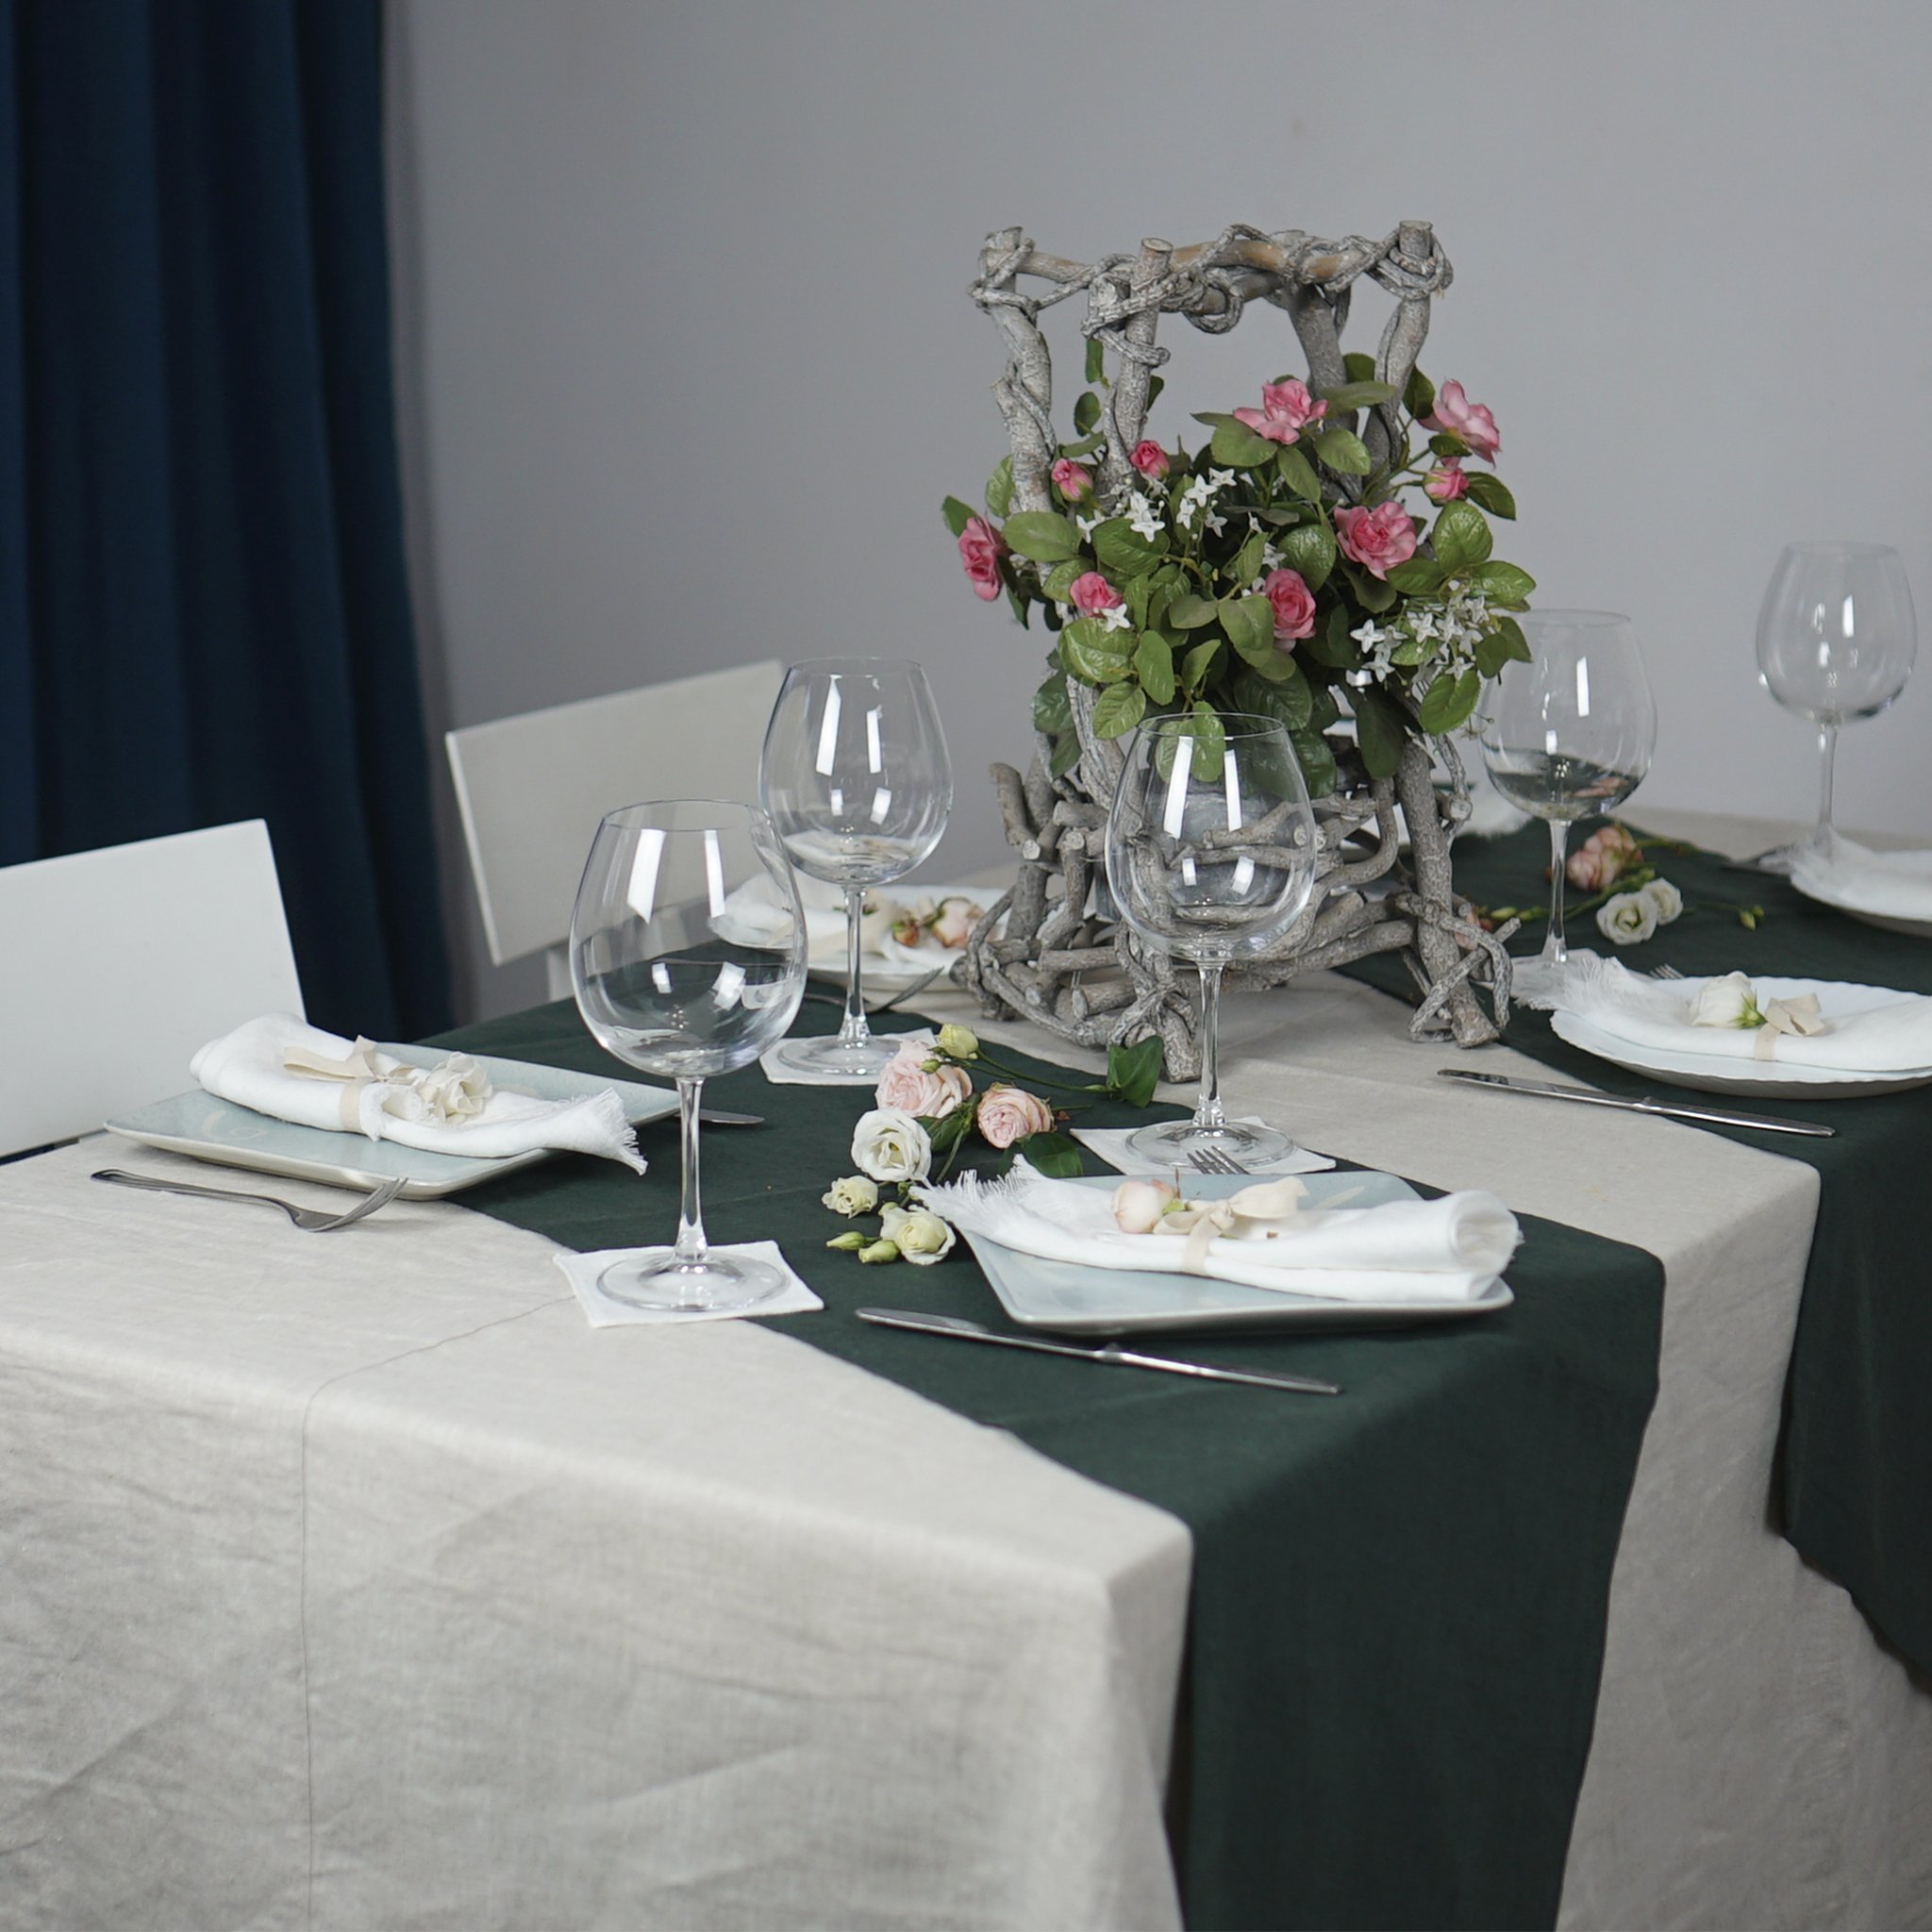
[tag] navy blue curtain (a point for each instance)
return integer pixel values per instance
(204, 613)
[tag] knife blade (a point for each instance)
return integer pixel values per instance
(1724, 1117)
(1112, 1354)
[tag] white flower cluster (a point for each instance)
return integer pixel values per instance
(1630, 918)
(1454, 626)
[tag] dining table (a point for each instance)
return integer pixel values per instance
(353, 1579)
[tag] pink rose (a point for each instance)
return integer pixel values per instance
(1071, 480)
(980, 550)
(1010, 1113)
(1149, 458)
(1455, 413)
(1602, 859)
(906, 1085)
(1287, 409)
(1446, 482)
(1293, 603)
(1092, 593)
(954, 924)
(1378, 539)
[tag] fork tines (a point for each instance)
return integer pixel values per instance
(1212, 1160)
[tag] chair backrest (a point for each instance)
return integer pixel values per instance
(116, 965)
(532, 788)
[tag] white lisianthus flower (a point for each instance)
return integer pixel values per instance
(1116, 619)
(855, 1194)
(1143, 518)
(1221, 479)
(1731, 1001)
(890, 1146)
(921, 1236)
(1665, 900)
(1628, 920)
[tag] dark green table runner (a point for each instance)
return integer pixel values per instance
(1399, 1595)
(1855, 1463)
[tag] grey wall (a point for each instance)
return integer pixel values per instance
(688, 361)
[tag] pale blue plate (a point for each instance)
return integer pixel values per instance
(199, 1125)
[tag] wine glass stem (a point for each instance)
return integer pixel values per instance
(691, 1216)
(1828, 758)
(1207, 1111)
(1555, 948)
(853, 1029)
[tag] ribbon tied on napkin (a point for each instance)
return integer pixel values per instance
(453, 1089)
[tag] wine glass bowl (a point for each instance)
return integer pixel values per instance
(1837, 638)
(1210, 858)
(859, 788)
(1570, 733)
(661, 989)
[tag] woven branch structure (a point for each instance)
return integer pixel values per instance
(1051, 951)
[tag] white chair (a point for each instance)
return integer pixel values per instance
(116, 965)
(531, 789)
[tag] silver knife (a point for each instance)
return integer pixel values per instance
(1112, 1354)
(1550, 1090)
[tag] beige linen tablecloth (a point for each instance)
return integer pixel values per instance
(354, 1581)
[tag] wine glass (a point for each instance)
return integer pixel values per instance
(1211, 856)
(1570, 733)
(663, 990)
(1836, 641)
(855, 778)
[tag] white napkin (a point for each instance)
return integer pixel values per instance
(1657, 1013)
(1440, 1251)
(1895, 885)
(247, 1067)
(1110, 1143)
(601, 1311)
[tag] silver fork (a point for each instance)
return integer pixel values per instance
(1212, 1160)
(1665, 972)
(310, 1220)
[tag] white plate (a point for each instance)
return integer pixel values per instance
(1752, 1079)
(884, 972)
(199, 1125)
(1071, 1300)
(1889, 922)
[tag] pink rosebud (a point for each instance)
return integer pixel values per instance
(980, 550)
(1446, 482)
(1603, 859)
(1378, 539)
(1092, 593)
(1455, 413)
(1287, 409)
(1011, 1113)
(1293, 604)
(904, 1084)
(1071, 480)
(1150, 460)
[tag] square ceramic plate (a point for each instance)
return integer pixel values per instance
(199, 1125)
(1071, 1300)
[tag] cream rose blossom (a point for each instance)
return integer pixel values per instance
(1627, 919)
(1138, 1206)
(961, 1043)
(855, 1194)
(1665, 900)
(1731, 1001)
(1011, 1113)
(911, 1086)
(921, 1236)
(889, 1145)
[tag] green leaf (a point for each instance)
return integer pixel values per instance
(999, 486)
(955, 513)
(1491, 654)
(1086, 411)
(1240, 447)
(1134, 1071)
(1290, 701)
(1379, 731)
(1372, 593)
(1504, 583)
(1445, 445)
(1357, 395)
(1247, 559)
(1118, 709)
(1066, 754)
(1020, 605)
(1323, 709)
(1122, 549)
(1056, 1154)
(1137, 590)
(1197, 666)
(1418, 394)
(1154, 384)
(1461, 538)
(1343, 451)
(1050, 616)
(1084, 447)
(1492, 492)
(1153, 667)
(1051, 709)
(1249, 622)
(948, 1129)
(1298, 473)
(1210, 742)
(1331, 643)
(1058, 581)
(1190, 612)
(1043, 534)
(1413, 651)
(1418, 577)
(1447, 703)
(1358, 366)
(1317, 760)
(1310, 552)
(1096, 361)
(1515, 645)
(1094, 654)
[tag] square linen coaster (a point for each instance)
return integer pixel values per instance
(780, 1075)
(581, 1272)
(1110, 1143)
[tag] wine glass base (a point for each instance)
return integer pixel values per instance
(856, 1063)
(715, 1284)
(1531, 980)
(1178, 1142)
